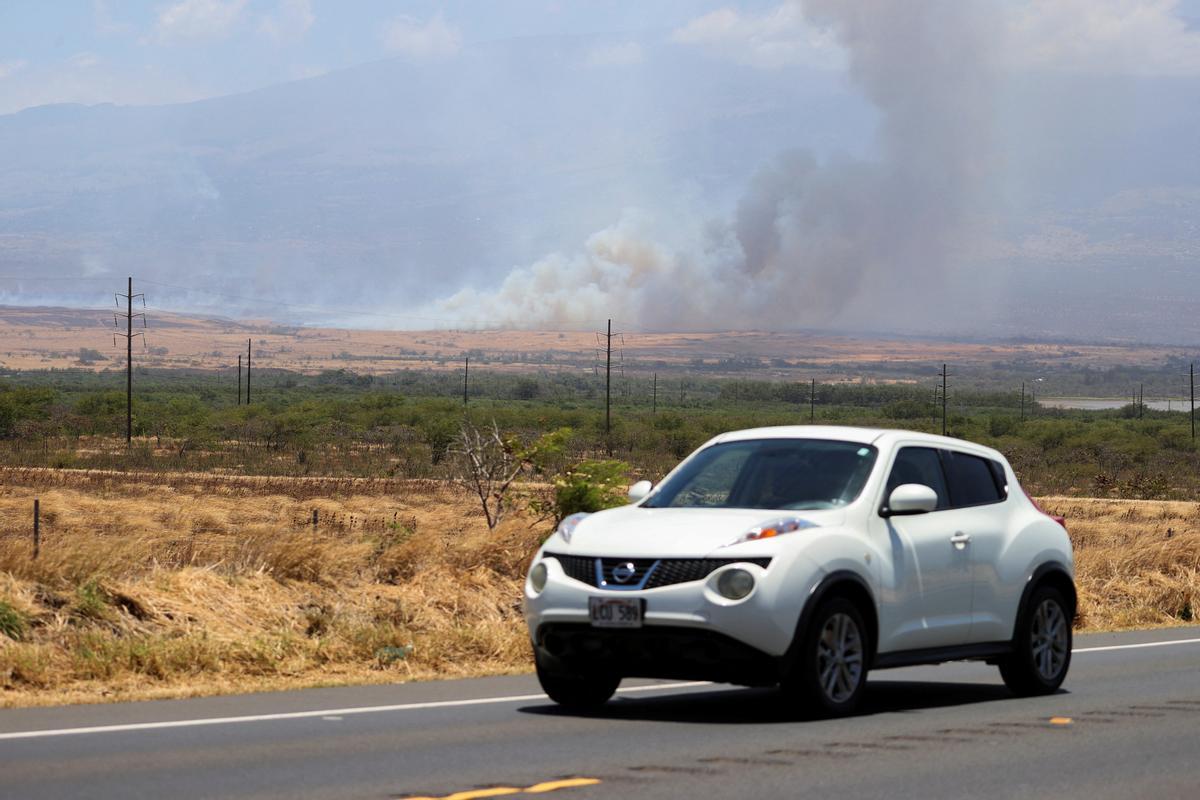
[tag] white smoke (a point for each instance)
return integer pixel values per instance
(811, 243)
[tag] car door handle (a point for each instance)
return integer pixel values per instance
(960, 540)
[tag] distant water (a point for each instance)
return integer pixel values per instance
(1104, 404)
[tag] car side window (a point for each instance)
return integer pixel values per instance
(919, 465)
(972, 480)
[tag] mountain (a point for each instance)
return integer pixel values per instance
(394, 181)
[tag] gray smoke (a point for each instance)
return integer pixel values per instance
(839, 242)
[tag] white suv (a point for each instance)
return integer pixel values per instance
(803, 556)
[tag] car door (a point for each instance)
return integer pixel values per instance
(926, 586)
(979, 496)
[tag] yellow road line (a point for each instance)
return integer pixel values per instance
(474, 794)
(569, 783)
(1061, 721)
(500, 791)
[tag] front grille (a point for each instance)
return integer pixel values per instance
(655, 572)
(621, 573)
(581, 568)
(682, 570)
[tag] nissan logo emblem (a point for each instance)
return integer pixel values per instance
(623, 573)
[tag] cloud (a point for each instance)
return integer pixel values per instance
(780, 37)
(9, 68)
(198, 20)
(84, 60)
(289, 23)
(422, 40)
(622, 54)
(1138, 37)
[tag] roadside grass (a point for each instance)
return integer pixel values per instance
(198, 584)
(1137, 562)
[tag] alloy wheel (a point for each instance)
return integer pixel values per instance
(1048, 639)
(840, 658)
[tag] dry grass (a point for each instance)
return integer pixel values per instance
(198, 584)
(162, 590)
(1137, 562)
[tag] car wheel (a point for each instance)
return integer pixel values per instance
(580, 692)
(831, 668)
(1041, 646)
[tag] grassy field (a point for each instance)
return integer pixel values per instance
(172, 585)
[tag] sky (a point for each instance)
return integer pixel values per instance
(156, 51)
(150, 52)
(751, 157)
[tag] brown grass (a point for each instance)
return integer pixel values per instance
(1137, 562)
(195, 584)
(159, 590)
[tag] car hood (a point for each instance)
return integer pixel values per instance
(631, 531)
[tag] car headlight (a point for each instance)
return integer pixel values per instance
(775, 527)
(538, 576)
(566, 528)
(734, 584)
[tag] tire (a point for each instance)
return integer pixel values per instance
(582, 692)
(830, 672)
(1041, 645)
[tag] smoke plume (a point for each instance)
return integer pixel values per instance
(837, 242)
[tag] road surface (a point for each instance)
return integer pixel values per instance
(1127, 724)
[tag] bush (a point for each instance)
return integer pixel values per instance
(590, 486)
(12, 623)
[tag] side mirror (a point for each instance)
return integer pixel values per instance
(638, 492)
(910, 498)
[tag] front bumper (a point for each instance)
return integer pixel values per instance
(689, 630)
(659, 651)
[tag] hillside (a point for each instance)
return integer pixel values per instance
(52, 338)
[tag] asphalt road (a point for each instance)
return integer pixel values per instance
(1126, 725)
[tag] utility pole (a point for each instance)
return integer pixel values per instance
(1192, 376)
(654, 402)
(466, 377)
(249, 342)
(943, 399)
(1141, 400)
(239, 379)
(608, 382)
(812, 401)
(129, 334)
(1022, 401)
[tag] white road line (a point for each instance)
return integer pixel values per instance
(1132, 646)
(480, 701)
(328, 712)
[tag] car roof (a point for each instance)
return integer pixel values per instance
(880, 437)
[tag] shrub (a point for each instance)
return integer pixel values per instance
(12, 622)
(590, 486)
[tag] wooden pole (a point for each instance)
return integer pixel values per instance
(37, 528)
(129, 365)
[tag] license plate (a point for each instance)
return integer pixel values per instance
(615, 612)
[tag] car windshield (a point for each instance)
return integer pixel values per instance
(783, 474)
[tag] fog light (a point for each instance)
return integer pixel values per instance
(537, 577)
(735, 584)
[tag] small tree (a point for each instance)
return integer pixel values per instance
(490, 464)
